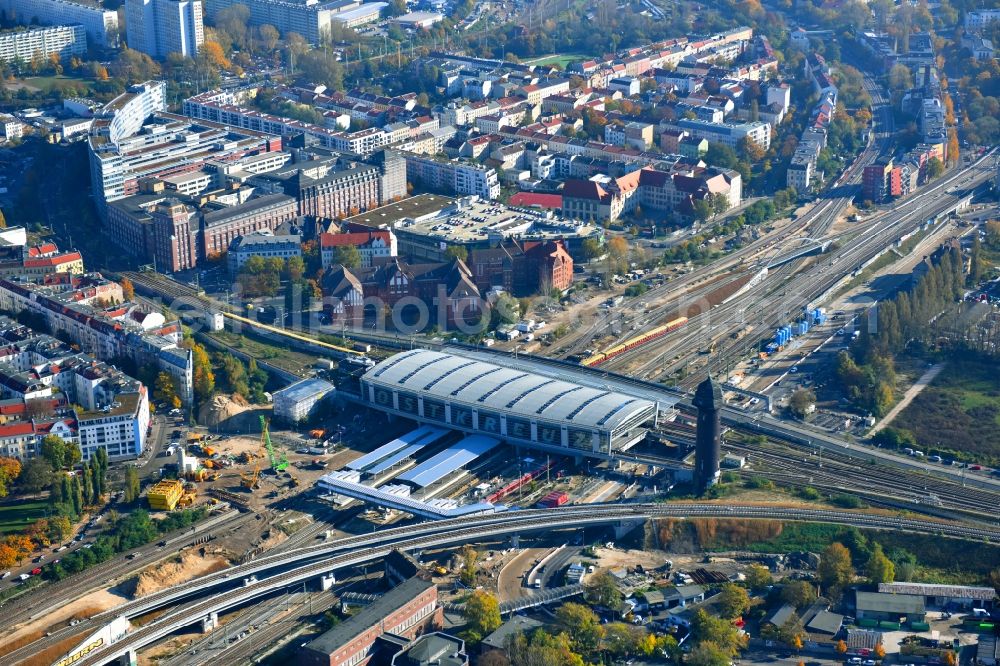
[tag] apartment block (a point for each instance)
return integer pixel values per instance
(101, 25)
(64, 41)
(452, 177)
(312, 20)
(160, 27)
(728, 134)
(261, 244)
(76, 308)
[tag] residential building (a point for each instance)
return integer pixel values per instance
(981, 18)
(261, 244)
(297, 402)
(11, 127)
(72, 307)
(627, 86)
(875, 179)
(36, 263)
(64, 41)
(373, 245)
(728, 134)
(452, 177)
(312, 20)
(160, 27)
(223, 106)
(101, 25)
(48, 388)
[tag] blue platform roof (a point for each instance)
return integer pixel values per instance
(394, 459)
(449, 460)
(424, 435)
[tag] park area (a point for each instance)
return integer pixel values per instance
(16, 516)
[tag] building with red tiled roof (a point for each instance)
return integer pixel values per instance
(372, 244)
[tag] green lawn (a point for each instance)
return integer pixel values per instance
(48, 83)
(15, 516)
(561, 59)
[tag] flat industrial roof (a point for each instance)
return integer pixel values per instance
(449, 460)
(423, 436)
(482, 385)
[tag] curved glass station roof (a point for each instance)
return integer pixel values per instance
(486, 386)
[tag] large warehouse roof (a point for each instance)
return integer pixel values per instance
(483, 385)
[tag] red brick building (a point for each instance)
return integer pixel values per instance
(408, 610)
(524, 268)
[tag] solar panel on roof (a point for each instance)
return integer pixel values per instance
(604, 419)
(473, 380)
(579, 408)
(556, 397)
(399, 359)
(446, 374)
(448, 461)
(405, 378)
(524, 394)
(484, 397)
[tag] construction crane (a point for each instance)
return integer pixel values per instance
(277, 464)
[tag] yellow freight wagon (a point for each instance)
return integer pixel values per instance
(165, 495)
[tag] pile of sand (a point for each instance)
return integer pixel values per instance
(191, 565)
(221, 409)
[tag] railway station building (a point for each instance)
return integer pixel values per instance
(506, 403)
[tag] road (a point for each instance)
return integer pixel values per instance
(911, 393)
(229, 588)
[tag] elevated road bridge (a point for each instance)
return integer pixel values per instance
(245, 583)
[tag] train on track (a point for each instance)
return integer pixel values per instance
(632, 343)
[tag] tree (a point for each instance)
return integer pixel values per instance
(835, 570)
(602, 590)
(935, 167)
(482, 612)
(798, 593)
(733, 601)
(582, 625)
(758, 577)
(214, 54)
(719, 203)
(622, 639)
(709, 653)
(268, 36)
(801, 402)
(705, 627)
(296, 268)
(59, 528)
(456, 252)
(131, 485)
(347, 256)
(10, 470)
(86, 488)
(39, 532)
(20, 544)
(203, 378)
(702, 210)
(953, 152)
(880, 568)
(506, 310)
(76, 495)
(591, 248)
(3, 220)
(841, 647)
(879, 651)
(128, 290)
(36, 475)
(900, 78)
(60, 453)
(469, 557)
(165, 390)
